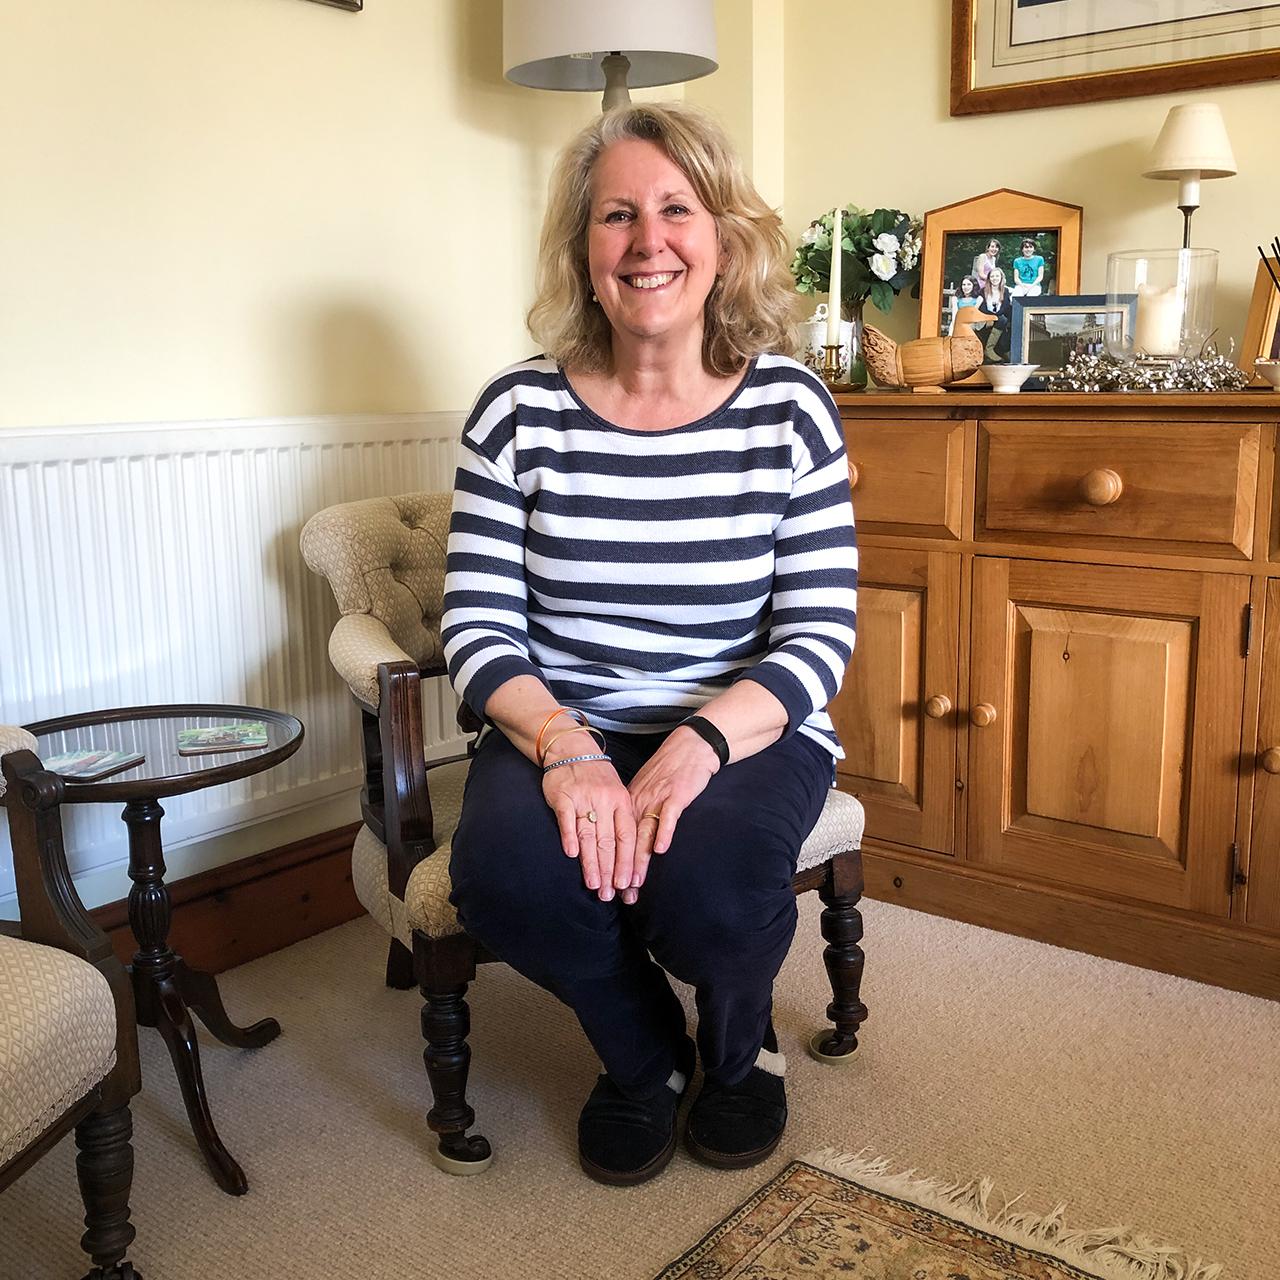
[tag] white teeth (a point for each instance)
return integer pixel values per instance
(651, 282)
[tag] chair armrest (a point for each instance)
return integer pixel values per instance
(358, 645)
(50, 908)
(14, 738)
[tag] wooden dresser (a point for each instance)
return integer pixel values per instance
(1063, 715)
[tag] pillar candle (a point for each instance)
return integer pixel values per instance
(833, 305)
(1157, 328)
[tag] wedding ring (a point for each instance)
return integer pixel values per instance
(657, 817)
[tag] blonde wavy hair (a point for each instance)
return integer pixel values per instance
(749, 309)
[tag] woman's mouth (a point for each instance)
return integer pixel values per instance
(655, 280)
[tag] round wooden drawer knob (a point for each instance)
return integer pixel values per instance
(1271, 759)
(982, 715)
(1102, 487)
(937, 706)
(854, 474)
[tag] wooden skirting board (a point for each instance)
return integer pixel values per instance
(254, 906)
(1203, 950)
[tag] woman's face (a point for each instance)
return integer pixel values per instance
(993, 249)
(967, 289)
(996, 279)
(652, 249)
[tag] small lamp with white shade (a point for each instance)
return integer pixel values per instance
(1172, 289)
(588, 45)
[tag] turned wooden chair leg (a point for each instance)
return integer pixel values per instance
(104, 1167)
(843, 957)
(399, 966)
(448, 965)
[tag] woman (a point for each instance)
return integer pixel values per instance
(969, 294)
(985, 263)
(997, 301)
(650, 600)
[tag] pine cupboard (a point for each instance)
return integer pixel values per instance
(1063, 715)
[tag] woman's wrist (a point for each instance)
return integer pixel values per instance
(569, 742)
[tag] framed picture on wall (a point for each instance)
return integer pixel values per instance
(1008, 55)
(1262, 330)
(1047, 331)
(988, 252)
(354, 5)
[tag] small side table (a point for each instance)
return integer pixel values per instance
(167, 991)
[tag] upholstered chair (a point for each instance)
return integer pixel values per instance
(384, 559)
(68, 1040)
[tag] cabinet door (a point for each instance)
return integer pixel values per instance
(1263, 907)
(1104, 712)
(895, 712)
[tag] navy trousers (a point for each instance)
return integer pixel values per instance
(716, 911)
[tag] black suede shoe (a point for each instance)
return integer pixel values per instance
(732, 1126)
(624, 1141)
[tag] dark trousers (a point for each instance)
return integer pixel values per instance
(716, 911)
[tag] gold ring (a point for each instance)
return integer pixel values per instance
(657, 817)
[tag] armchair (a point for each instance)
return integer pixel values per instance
(384, 559)
(68, 1039)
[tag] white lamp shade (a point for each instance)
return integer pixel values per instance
(559, 44)
(1193, 140)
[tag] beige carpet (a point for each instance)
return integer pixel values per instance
(1135, 1097)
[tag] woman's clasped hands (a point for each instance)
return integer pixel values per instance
(614, 830)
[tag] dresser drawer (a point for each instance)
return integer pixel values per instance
(1185, 488)
(908, 477)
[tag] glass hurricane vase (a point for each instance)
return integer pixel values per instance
(1160, 302)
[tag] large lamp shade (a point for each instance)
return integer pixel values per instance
(562, 44)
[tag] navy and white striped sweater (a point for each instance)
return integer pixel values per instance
(640, 573)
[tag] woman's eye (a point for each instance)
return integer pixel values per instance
(616, 215)
(675, 210)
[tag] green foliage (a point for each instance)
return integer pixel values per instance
(868, 270)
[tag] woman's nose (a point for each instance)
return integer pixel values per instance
(646, 234)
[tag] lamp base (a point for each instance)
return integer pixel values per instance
(616, 94)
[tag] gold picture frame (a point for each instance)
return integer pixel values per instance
(1005, 55)
(1262, 330)
(1006, 218)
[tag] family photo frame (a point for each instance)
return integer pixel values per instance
(1010, 55)
(987, 253)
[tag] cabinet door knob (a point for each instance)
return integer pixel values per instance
(854, 474)
(938, 706)
(1102, 487)
(1270, 760)
(982, 715)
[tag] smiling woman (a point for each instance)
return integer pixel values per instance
(650, 600)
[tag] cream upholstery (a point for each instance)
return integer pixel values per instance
(12, 738)
(839, 827)
(384, 560)
(57, 1038)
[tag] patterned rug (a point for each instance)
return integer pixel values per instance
(832, 1215)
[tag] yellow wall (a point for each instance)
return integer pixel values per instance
(867, 122)
(242, 208)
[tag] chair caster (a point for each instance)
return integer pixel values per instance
(461, 1155)
(831, 1047)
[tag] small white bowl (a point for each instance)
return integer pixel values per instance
(1007, 379)
(1270, 371)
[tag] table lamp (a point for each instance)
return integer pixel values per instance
(1192, 145)
(588, 45)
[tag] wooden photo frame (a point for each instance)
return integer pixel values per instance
(1005, 218)
(1262, 330)
(1011, 55)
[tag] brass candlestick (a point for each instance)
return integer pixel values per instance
(831, 368)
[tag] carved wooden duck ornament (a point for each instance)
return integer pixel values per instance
(926, 364)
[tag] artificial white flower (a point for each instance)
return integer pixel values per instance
(812, 231)
(882, 265)
(887, 244)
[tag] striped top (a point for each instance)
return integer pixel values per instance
(640, 573)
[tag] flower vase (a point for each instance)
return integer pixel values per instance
(857, 375)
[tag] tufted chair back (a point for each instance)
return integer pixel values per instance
(384, 560)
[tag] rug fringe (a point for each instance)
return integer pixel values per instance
(1113, 1253)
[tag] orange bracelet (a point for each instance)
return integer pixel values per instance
(555, 737)
(559, 711)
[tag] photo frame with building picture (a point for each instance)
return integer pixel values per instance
(1262, 330)
(996, 249)
(1047, 330)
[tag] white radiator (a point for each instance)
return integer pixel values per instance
(145, 565)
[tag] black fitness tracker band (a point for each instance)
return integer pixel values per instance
(710, 735)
